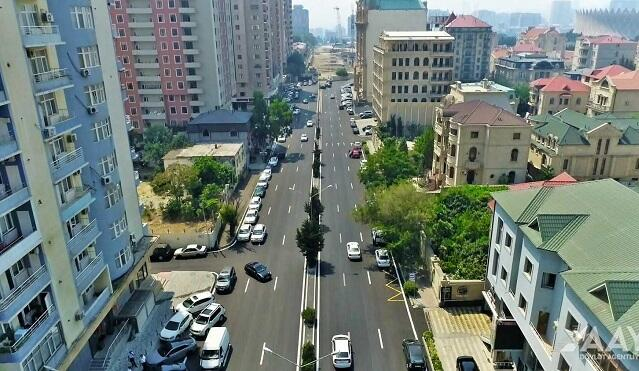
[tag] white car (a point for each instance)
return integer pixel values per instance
(368, 131)
(309, 123)
(196, 302)
(353, 251)
(357, 144)
(342, 351)
(208, 318)
(179, 323)
(251, 216)
(305, 101)
(244, 233)
(264, 177)
(255, 203)
(273, 161)
(262, 184)
(382, 257)
(281, 138)
(296, 111)
(190, 251)
(352, 119)
(259, 233)
(304, 138)
(268, 172)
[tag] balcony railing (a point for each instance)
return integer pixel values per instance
(6, 245)
(74, 194)
(4, 304)
(67, 158)
(8, 191)
(84, 273)
(31, 330)
(544, 343)
(83, 231)
(61, 116)
(51, 75)
(41, 30)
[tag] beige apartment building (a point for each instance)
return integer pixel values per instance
(412, 70)
(547, 39)
(478, 143)
(587, 148)
(601, 51)
(551, 95)
(474, 40)
(618, 94)
(484, 90)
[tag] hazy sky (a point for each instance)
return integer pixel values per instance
(322, 12)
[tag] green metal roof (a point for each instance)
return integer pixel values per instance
(593, 227)
(395, 4)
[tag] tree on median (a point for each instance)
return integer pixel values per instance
(310, 239)
(314, 207)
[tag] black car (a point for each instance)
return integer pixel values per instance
(259, 191)
(414, 354)
(466, 363)
(258, 271)
(162, 253)
(355, 130)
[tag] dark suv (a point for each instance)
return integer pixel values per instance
(162, 253)
(466, 363)
(414, 354)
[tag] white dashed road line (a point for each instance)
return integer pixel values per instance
(381, 343)
(368, 273)
(351, 185)
(361, 237)
(283, 240)
(338, 208)
(297, 169)
(348, 168)
(247, 283)
(340, 238)
(275, 286)
(262, 356)
(277, 185)
(344, 279)
(269, 211)
(289, 209)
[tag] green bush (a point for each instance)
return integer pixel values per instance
(172, 210)
(432, 351)
(341, 72)
(308, 355)
(309, 315)
(410, 288)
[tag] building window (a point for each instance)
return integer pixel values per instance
(6, 224)
(123, 257)
(82, 17)
(514, 154)
(119, 227)
(606, 147)
(185, 109)
(495, 263)
(415, 89)
(637, 164)
(516, 136)
(603, 167)
(578, 102)
(565, 165)
(472, 154)
(453, 150)
(474, 134)
(571, 323)
(563, 365)
(394, 62)
(89, 56)
(178, 59)
(108, 164)
(523, 303)
(415, 75)
(598, 146)
(528, 267)
(594, 168)
(44, 351)
(113, 195)
(95, 94)
(451, 172)
(503, 274)
(548, 280)
(508, 241)
(101, 130)
(499, 231)
(551, 101)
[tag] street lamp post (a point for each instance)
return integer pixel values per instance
(295, 363)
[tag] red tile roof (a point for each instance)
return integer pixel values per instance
(500, 52)
(611, 70)
(526, 48)
(626, 80)
(467, 21)
(560, 83)
(534, 32)
(606, 39)
(561, 179)
(476, 112)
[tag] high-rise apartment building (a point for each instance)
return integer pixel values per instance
(624, 4)
(473, 43)
(300, 20)
(72, 238)
(177, 57)
(561, 13)
(601, 51)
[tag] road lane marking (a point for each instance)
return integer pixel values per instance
(297, 169)
(277, 185)
(361, 237)
(262, 356)
(275, 286)
(289, 209)
(351, 185)
(344, 279)
(348, 167)
(410, 318)
(247, 283)
(301, 325)
(340, 238)
(381, 343)
(338, 208)
(335, 185)
(368, 273)
(345, 155)
(344, 144)
(269, 211)
(283, 240)
(355, 206)
(334, 168)
(333, 154)
(293, 188)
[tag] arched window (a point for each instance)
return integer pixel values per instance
(425, 89)
(414, 100)
(472, 154)
(511, 177)
(415, 89)
(514, 154)
(416, 74)
(416, 62)
(424, 100)
(205, 133)
(425, 62)
(425, 47)
(424, 75)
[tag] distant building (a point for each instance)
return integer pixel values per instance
(621, 23)
(521, 69)
(524, 20)
(411, 71)
(601, 51)
(478, 143)
(232, 154)
(351, 26)
(590, 76)
(221, 126)
(561, 13)
(437, 19)
(300, 20)
(473, 43)
(551, 95)
(624, 4)
(618, 94)
(586, 147)
(486, 91)
(547, 39)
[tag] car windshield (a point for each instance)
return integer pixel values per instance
(383, 255)
(172, 325)
(164, 348)
(258, 231)
(342, 355)
(245, 230)
(187, 303)
(260, 268)
(223, 278)
(202, 320)
(210, 354)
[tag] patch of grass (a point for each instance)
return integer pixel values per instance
(432, 351)
(410, 288)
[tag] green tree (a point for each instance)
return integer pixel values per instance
(211, 171)
(308, 356)
(259, 119)
(158, 140)
(175, 181)
(310, 239)
(229, 215)
(546, 173)
(506, 40)
(422, 152)
(341, 72)
(389, 165)
(210, 200)
(522, 92)
(295, 64)
(314, 207)
(279, 116)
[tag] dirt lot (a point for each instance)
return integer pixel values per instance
(327, 62)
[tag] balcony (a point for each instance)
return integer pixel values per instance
(67, 163)
(198, 103)
(189, 37)
(3, 98)
(144, 52)
(38, 36)
(438, 128)
(154, 116)
(191, 51)
(62, 122)
(8, 146)
(598, 107)
(89, 273)
(186, 10)
(437, 149)
(194, 91)
(141, 24)
(149, 38)
(13, 196)
(14, 351)
(97, 305)
(141, 10)
(545, 343)
(156, 104)
(150, 91)
(52, 80)
(193, 78)
(75, 200)
(472, 165)
(192, 65)
(189, 24)
(24, 292)
(82, 236)
(154, 78)
(153, 65)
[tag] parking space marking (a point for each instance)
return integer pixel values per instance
(247, 283)
(338, 208)
(283, 240)
(340, 238)
(398, 293)
(275, 286)
(269, 211)
(344, 279)
(361, 238)
(368, 273)
(262, 356)
(381, 343)
(289, 209)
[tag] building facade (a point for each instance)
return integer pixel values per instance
(410, 70)
(177, 58)
(372, 18)
(602, 51)
(232, 154)
(617, 22)
(72, 231)
(586, 147)
(522, 69)
(300, 20)
(561, 13)
(478, 143)
(554, 305)
(473, 43)
(487, 91)
(551, 95)
(547, 39)
(618, 94)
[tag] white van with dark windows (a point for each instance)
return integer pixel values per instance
(216, 349)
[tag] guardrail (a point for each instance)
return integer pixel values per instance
(23, 286)
(107, 355)
(15, 346)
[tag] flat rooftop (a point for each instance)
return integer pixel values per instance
(416, 35)
(205, 150)
(481, 87)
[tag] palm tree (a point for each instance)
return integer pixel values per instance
(229, 215)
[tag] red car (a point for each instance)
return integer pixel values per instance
(355, 153)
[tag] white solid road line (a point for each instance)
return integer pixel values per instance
(334, 168)
(361, 238)
(262, 356)
(247, 283)
(348, 168)
(340, 238)
(333, 154)
(289, 209)
(301, 324)
(277, 185)
(283, 240)
(368, 273)
(401, 287)
(351, 185)
(344, 279)
(381, 343)
(269, 211)
(275, 286)
(338, 208)
(335, 185)
(297, 168)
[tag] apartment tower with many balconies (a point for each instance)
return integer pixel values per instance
(71, 236)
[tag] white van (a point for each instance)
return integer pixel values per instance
(216, 349)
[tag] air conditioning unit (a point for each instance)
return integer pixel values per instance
(49, 132)
(79, 315)
(92, 110)
(50, 17)
(85, 72)
(106, 179)
(71, 138)
(46, 17)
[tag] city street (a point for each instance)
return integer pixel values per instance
(353, 297)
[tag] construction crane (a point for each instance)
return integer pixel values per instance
(339, 25)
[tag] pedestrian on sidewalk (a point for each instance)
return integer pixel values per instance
(143, 363)
(132, 359)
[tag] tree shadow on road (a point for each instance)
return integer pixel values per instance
(326, 268)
